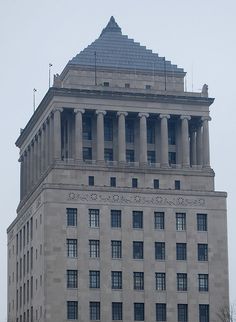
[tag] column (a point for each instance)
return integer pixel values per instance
(121, 136)
(35, 162)
(57, 133)
(193, 147)
(43, 147)
(21, 160)
(79, 134)
(185, 140)
(205, 141)
(199, 143)
(25, 178)
(32, 164)
(100, 135)
(164, 140)
(143, 137)
(28, 167)
(39, 156)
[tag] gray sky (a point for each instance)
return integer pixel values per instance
(197, 35)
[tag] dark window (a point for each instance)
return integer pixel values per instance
(94, 218)
(138, 280)
(134, 183)
(172, 158)
(182, 312)
(151, 157)
(108, 129)
(160, 281)
(160, 250)
(24, 235)
(106, 84)
(161, 312)
(94, 308)
(129, 155)
(72, 310)
(148, 86)
(137, 219)
(159, 220)
(31, 228)
(94, 248)
(116, 218)
(21, 238)
(156, 184)
(113, 181)
(180, 221)
(203, 282)
(116, 280)
(202, 252)
(138, 250)
(108, 154)
(129, 131)
(204, 313)
(91, 180)
(87, 153)
(72, 278)
(87, 128)
(72, 248)
(94, 279)
(202, 222)
(138, 311)
(181, 251)
(21, 267)
(127, 85)
(171, 133)
(150, 132)
(71, 214)
(117, 311)
(177, 185)
(116, 249)
(182, 282)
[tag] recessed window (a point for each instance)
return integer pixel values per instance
(71, 214)
(202, 252)
(116, 249)
(91, 180)
(117, 311)
(171, 133)
(134, 183)
(108, 154)
(115, 218)
(116, 280)
(156, 184)
(113, 181)
(172, 158)
(106, 84)
(182, 312)
(94, 248)
(129, 155)
(160, 251)
(72, 250)
(94, 279)
(177, 184)
(159, 220)
(148, 86)
(129, 131)
(150, 132)
(72, 278)
(204, 313)
(87, 128)
(94, 218)
(138, 250)
(181, 251)
(139, 312)
(180, 221)
(94, 308)
(160, 281)
(138, 280)
(203, 282)
(127, 85)
(202, 222)
(72, 310)
(87, 153)
(151, 157)
(138, 219)
(108, 129)
(160, 312)
(182, 282)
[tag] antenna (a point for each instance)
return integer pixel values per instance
(95, 67)
(34, 91)
(49, 75)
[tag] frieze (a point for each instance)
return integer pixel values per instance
(156, 200)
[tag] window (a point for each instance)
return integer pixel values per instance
(72, 248)
(151, 157)
(138, 311)
(72, 310)
(171, 133)
(137, 219)
(148, 86)
(156, 184)
(177, 184)
(150, 132)
(108, 129)
(138, 250)
(180, 221)
(106, 84)
(117, 311)
(182, 312)
(127, 85)
(87, 128)
(27, 232)
(94, 248)
(31, 228)
(160, 250)
(159, 220)
(204, 313)
(116, 218)
(203, 282)
(138, 280)
(94, 218)
(181, 251)
(172, 158)
(116, 280)
(31, 258)
(202, 222)
(161, 312)
(160, 281)
(116, 249)
(91, 180)
(182, 282)
(94, 279)
(113, 181)
(202, 252)
(108, 154)
(71, 214)
(87, 153)
(94, 308)
(129, 155)
(72, 278)
(129, 131)
(134, 183)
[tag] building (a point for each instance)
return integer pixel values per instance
(118, 216)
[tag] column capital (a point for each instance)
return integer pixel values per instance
(162, 116)
(121, 113)
(205, 118)
(187, 117)
(79, 110)
(101, 112)
(58, 109)
(143, 115)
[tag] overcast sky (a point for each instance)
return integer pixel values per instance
(194, 34)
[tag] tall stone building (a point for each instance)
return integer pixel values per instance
(118, 216)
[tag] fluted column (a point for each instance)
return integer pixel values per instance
(57, 133)
(193, 147)
(143, 137)
(205, 141)
(100, 135)
(199, 143)
(121, 136)
(79, 134)
(185, 140)
(164, 140)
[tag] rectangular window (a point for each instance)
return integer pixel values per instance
(181, 251)
(87, 153)
(156, 184)
(31, 228)
(177, 184)
(202, 252)
(20, 240)
(160, 251)
(137, 219)
(129, 131)
(134, 183)
(72, 278)
(108, 154)
(87, 128)
(127, 85)
(182, 282)
(182, 312)
(116, 280)
(150, 132)
(138, 250)
(180, 221)
(161, 312)
(94, 248)
(160, 281)
(91, 180)
(129, 155)
(159, 220)
(171, 133)
(106, 84)
(17, 244)
(72, 310)
(204, 313)
(94, 218)
(24, 236)
(116, 218)
(151, 157)
(138, 311)
(172, 159)
(71, 214)
(138, 280)
(94, 308)
(108, 129)
(27, 232)
(202, 222)
(148, 86)
(116, 249)
(117, 311)
(31, 258)
(113, 181)
(203, 282)
(72, 250)
(94, 279)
